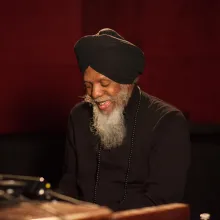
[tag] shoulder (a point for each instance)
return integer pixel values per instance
(161, 112)
(157, 105)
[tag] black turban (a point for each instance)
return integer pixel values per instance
(111, 55)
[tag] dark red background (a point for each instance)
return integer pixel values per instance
(40, 81)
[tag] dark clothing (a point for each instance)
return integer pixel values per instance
(159, 161)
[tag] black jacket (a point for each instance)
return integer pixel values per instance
(158, 164)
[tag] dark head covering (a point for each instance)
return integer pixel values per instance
(111, 55)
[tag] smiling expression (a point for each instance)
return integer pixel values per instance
(101, 89)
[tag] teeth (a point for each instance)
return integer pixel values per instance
(102, 103)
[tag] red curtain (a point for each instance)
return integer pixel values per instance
(180, 40)
(40, 81)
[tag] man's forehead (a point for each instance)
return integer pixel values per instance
(92, 75)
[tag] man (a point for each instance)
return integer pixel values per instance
(125, 149)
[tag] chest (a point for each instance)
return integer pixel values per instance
(114, 163)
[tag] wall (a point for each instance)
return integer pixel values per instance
(39, 77)
(181, 42)
(40, 81)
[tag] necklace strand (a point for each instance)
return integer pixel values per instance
(129, 158)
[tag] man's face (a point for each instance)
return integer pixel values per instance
(101, 89)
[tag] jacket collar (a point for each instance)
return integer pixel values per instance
(131, 107)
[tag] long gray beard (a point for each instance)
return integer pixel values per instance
(110, 127)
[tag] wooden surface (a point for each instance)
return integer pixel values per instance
(65, 211)
(164, 212)
(54, 211)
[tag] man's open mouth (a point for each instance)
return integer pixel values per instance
(104, 105)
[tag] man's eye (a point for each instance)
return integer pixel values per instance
(88, 89)
(105, 84)
(87, 86)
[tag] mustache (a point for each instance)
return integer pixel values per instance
(89, 99)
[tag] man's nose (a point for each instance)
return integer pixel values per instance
(96, 92)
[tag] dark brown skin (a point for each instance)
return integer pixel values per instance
(100, 88)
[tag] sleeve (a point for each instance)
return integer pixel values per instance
(68, 183)
(169, 160)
